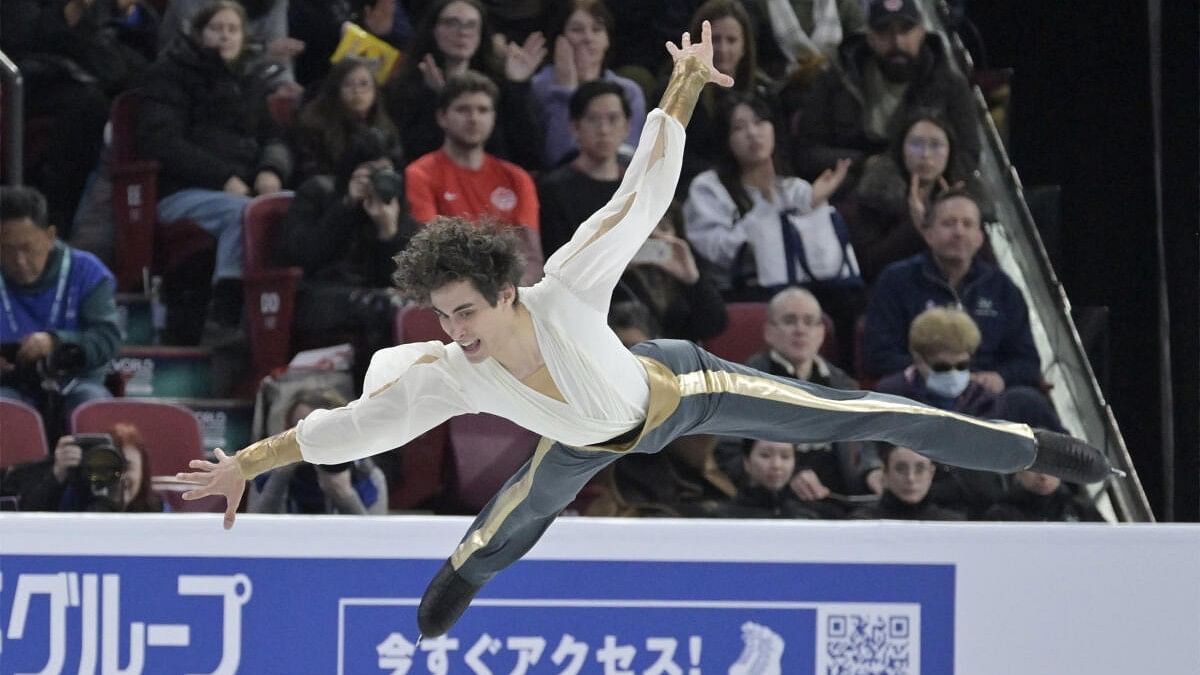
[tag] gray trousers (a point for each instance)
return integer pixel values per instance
(694, 392)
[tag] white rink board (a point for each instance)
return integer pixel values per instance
(1014, 598)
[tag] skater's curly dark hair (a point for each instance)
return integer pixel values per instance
(451, 249)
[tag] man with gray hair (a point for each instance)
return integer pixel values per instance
(794, 332)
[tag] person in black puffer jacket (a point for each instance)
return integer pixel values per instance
(204, 118)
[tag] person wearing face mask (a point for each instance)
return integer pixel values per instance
(943, 341)
(875, 80)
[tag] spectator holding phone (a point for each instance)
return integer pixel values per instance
(675, 286)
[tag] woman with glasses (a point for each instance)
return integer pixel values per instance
(347, 103)
(896, 188)
(454, 36)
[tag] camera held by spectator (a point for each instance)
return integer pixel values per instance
(97, 478)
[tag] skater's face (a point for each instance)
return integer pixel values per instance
(954, 234)
(468, 120)
(24, 249)
(794, 327)
(907, 475)
(770, 464)
(602, 127)
(467, 317)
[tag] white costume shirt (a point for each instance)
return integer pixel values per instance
(414, 387)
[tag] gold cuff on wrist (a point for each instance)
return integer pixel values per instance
(282, 448)
(688, 78)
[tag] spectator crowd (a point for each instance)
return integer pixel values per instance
(834, 186)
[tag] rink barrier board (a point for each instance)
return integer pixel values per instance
(177, 594)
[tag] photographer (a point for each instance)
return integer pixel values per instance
(88, 472)
(344, 232)
(59, 327)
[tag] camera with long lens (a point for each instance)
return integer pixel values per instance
(97, 479)
(386, 184)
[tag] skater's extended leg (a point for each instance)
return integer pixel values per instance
(508, 527)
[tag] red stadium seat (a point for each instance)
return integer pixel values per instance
(270, 291)
(22, 434)
(422, 474)
(142, 243)
(171, 432)
(418, 324)
(485, 450)
(743, 337)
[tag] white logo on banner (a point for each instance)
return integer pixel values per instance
(100, 619)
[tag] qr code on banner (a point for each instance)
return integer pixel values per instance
(869, 639)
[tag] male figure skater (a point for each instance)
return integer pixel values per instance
(544, 357)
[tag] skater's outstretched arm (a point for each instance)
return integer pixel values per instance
(408, 392)
(592, 262)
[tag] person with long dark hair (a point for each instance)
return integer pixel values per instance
(454, 36)
(752, 221)
(896, 188)
(348, 101)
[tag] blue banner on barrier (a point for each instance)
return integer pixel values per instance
(295, 616)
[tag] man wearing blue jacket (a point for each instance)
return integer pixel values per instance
(951, 274)
(59, 318)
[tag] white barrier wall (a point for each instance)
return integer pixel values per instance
(177, 594)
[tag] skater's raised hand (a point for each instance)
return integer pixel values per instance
(703, 51)
(221, 478)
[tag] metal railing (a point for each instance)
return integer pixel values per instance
(14, 120)
(1019, 250)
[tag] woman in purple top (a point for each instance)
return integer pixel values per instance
(582, 33)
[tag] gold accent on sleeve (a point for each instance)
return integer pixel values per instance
(688, 77)
(282, 448)
(428, 358)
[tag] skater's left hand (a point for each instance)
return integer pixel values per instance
(703, 51)
(221, 478)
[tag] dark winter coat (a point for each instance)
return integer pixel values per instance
(206, 122)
